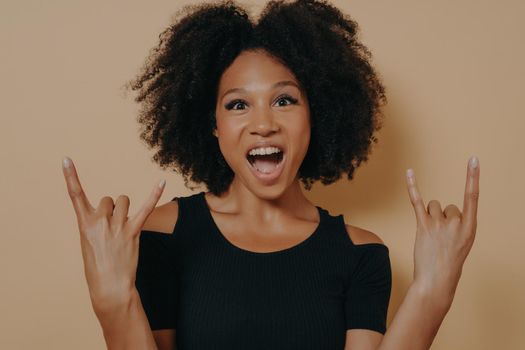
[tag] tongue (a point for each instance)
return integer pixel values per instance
(264, 165)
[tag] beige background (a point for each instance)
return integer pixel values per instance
(455, 77)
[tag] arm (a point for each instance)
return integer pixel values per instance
(414, 326)
(361, 338)
(443, 241)
(109, 241)
(152, 274)
(127, 327)
(416, 322)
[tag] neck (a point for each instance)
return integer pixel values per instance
(259, 209)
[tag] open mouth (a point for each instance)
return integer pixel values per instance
(265, 162)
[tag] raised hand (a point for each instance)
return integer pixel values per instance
(109, 241)
(443, 238)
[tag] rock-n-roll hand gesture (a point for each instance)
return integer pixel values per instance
(109, 241)
(443, 238)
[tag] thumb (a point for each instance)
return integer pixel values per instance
(138, 220)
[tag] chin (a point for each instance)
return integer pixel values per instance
(268, 193)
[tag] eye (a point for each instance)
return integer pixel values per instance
(289, 100)
(232, 104)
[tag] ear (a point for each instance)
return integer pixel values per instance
(214, 132)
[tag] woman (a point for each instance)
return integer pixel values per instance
(251, 110)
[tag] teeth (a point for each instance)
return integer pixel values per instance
(263, 150)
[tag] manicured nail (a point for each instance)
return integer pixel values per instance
(474, 162)
(66, 162)
(410, 173)
(162, 183)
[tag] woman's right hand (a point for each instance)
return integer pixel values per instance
(109, 240)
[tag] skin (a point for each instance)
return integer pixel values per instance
(109, 241)
(255, 215)
(259, 217)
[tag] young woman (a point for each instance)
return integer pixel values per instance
(252, 110)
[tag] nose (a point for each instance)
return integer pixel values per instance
(263, 122)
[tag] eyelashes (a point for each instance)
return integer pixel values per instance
(293, 101)
(232, 104)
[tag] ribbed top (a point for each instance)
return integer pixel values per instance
(220, 296)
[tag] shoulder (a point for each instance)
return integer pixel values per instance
(361, 236)
(163, 218)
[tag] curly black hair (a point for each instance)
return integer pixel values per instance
(177, 86)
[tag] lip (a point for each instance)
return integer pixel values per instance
(271, 178)
(267, 179)
(265, 144)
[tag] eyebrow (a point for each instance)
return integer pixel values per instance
(278, 84)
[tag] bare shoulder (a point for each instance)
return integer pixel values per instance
(361, 236)
(163, 218)
(165, 338)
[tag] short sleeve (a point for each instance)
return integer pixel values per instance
(368, 292)
(156, 279)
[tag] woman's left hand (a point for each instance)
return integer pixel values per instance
(443, 238)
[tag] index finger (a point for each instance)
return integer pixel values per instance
(415, 197)
(470, 201)
(76, 193)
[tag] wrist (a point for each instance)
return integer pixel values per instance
(126, 326)
(106, 306)
(438, 299)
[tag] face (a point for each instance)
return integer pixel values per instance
(263, 123)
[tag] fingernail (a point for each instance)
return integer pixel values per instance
(410, 172)
(66, 162)
(162, 183)
(474, 162)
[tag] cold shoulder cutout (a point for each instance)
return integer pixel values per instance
(163, 218)
(360, 236)
(156, 279)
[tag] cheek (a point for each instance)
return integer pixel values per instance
(304, 138)
(302, 133)
(228, 134)
(223, 130)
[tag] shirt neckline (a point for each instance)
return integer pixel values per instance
(217, 232)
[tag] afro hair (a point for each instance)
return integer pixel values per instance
(178, 84)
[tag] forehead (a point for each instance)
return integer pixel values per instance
(254, 68)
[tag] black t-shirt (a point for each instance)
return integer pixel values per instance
(219, 296)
